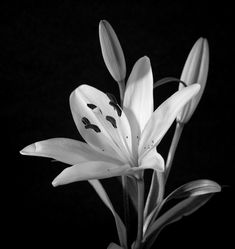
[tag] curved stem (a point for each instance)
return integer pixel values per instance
(174, 143)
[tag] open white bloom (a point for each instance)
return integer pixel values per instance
(118, 141)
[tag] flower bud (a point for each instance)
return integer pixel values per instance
(195, 71)
(112, 51)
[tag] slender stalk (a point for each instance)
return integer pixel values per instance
(126, 206)
(140, 186)
(121, 86)
(174, 143)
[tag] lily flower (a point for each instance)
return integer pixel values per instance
(195, 71)
(119, 141)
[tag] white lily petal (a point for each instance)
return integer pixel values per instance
(163, 117)
(152, 160)
(138, 98)
(85, 96)
(67, 151)
(89, 171)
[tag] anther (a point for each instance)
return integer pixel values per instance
(112, 121)
(92, 106)
(116, 108)
(93, 127)
(85, 121)
(112, 98)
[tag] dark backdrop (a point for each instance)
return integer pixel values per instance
(50, 49)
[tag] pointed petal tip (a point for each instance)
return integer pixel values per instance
(55, 183)
(28, 149)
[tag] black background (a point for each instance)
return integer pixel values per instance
(50, 49)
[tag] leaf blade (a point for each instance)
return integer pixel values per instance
(121, 229)
(184, 208)
(193, 188)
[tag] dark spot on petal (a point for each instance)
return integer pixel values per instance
(126, 136)
(93, 127)
(112, 121)
(85, 121)
(92, 106)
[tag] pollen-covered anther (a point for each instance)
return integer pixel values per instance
(117, 108)
(92, 106)
(112, 98)
(93, 127)
(88, 125)
(112, 121)
(85, 121)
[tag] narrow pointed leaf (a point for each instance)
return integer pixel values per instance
(155, 193)
(184, 208)
(194, 188)
(114, 246)
(121, 229)
(132, 191)
(112, 52)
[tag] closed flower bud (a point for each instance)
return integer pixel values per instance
(112, 51)
(195, 71)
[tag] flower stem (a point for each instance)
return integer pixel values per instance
(174, 143)
(140, 186)
(121, 86)
(126, 206)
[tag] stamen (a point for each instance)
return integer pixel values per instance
(92, 106)
(113, 102)
(116, 108)
(94, 127)
(112, 121)
(112, 98)
(85, 121)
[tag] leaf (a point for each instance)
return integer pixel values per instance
(155, 193)
(184, 208)
(131, 188)
(194, 188)
(114, 246)
(132, 191)
(121, 229)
